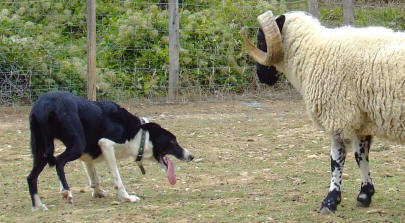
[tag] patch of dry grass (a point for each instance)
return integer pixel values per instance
(262, 161)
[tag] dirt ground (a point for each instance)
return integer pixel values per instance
(259, 159)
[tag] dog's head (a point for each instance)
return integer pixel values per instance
(165, 143)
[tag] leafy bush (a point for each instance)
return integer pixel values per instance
(45, 43)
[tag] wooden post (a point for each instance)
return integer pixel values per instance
(313, 8)
(348, 13)
(174, 65)
(91, 50)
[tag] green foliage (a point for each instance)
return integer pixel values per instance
(35, 43)
(331, 17)
(46, 40)
(389, 17)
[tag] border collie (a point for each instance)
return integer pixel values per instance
(94, 131)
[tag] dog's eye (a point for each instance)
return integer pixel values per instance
(173, 141)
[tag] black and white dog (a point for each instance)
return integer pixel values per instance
(92, 132)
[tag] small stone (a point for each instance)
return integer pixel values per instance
(345, 176)
(388, 175)
(244, 173)
(198, 160)
(312, 156)
(295, 198)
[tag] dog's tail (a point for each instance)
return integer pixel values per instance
(42, 146)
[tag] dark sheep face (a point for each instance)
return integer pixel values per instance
(267, 74)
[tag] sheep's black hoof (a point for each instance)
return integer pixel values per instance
(364, 197)
(363, 203)
(330, 203)
(325, 211)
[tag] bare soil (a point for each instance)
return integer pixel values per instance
(259, 159)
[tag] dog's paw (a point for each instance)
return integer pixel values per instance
(132, 198)
(129, 198)
(40, 207)
(98, 192)
(123, 196)
(67, 194)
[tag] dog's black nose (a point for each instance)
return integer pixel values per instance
(191, 157)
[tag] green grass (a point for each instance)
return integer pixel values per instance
(256, 167)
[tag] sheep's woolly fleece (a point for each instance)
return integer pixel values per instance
(352, 79)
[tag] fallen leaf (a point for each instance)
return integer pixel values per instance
(115, 203)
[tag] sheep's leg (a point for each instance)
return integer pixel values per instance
(361, 150)
(337, 158)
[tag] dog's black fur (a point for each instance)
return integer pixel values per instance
(267, 74)
(80, 124)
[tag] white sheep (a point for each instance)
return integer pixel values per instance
(352, 81)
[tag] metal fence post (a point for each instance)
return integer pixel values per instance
(348, 12)
(174, 65)
(91, 50)
(313, 8)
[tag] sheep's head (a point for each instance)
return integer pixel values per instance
(272, 33)
(266, 74)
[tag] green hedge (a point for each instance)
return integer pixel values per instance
(47, 42)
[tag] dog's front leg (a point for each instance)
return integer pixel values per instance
(94, 182)
(107, 147)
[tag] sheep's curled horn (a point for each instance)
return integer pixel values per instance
(272, 35)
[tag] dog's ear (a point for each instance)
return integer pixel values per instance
(150, 125)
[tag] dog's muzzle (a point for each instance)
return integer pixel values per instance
(187, 156)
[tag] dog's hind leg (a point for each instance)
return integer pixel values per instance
(94, 182)
(107, 147)
(32, 179)
(61, 161)
(75, 143)
(71, 153)
(40, 146)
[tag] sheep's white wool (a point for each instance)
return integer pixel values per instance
(352, 79)
(353, 84)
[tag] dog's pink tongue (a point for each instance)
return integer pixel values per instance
(170, 171)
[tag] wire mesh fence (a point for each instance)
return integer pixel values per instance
(43, 45)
